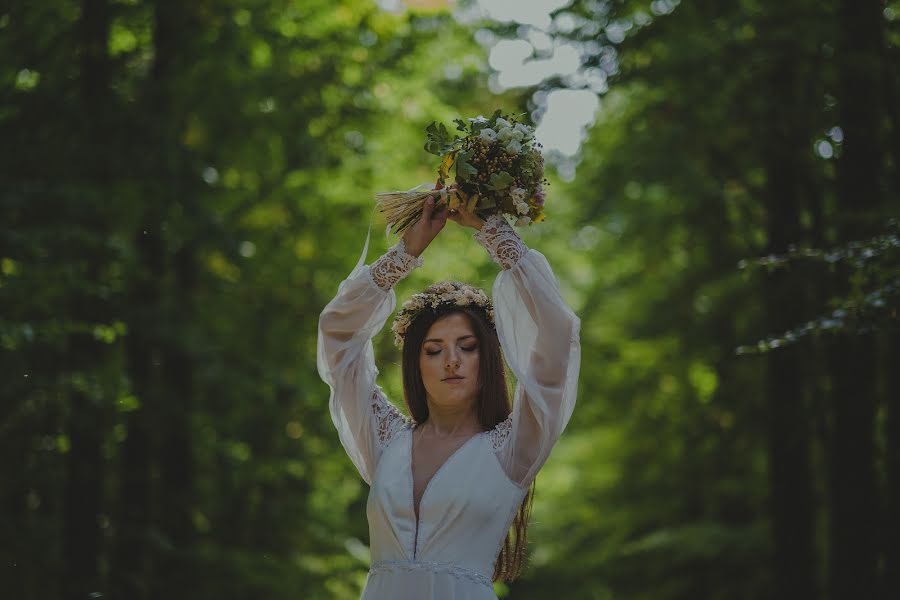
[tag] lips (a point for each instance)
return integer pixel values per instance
(454, 378)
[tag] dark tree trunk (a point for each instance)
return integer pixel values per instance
(789, 86)
(892, 463)
(81, 541)
(176, 459)
(171, 49)
(892, 357)
(133, 559)
(790, 476)
(81, 544)
(852, 358)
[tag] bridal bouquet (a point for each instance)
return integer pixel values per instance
(497, 165)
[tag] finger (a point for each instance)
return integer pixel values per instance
(428, 208)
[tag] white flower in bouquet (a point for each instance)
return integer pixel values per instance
(514, 147)
(518, 194)
(505, 133)
(526, 131)
(522, 208)
(488, 134)
(501, 122)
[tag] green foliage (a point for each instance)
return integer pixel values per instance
(500, 181)
(178, 209)
(872, 267)
(464, 169)
(438, 139)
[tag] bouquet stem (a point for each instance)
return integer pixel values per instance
(403, 209)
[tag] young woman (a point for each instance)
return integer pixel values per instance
(450, 486)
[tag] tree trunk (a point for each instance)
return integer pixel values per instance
(852, 358)
(133, 559)
(176, 458)
(81, 508)
(788, 422)
(892, 463)
(81, 541)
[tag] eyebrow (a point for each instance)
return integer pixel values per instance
(459, 338)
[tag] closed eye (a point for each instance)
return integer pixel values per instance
(466, 349)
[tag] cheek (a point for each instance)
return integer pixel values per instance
(429, 369)
(474, 363)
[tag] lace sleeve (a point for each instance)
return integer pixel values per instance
(394, 265)
(501, 241)
(388, 420)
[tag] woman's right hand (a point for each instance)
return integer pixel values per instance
(420, 235)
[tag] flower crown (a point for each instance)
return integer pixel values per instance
(449, 293)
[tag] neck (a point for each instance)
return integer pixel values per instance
(453, 421)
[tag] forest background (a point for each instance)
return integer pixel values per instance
(184, 185)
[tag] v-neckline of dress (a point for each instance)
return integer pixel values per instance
(417, 510)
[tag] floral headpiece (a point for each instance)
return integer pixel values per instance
(450, 294)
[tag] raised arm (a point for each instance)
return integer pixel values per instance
(365, 420)
(540, 337)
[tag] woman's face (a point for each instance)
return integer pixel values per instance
(449, 362)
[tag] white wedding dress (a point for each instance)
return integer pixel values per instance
(467, 508)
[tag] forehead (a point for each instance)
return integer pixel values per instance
(452, 326)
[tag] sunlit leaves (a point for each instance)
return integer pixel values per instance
(438, 139)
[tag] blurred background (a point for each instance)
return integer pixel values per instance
(184, 185)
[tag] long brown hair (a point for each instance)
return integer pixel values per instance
(493, 408)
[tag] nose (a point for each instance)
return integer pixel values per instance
(452, 360)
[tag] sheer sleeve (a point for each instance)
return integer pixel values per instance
(365, 420)
(540, 337)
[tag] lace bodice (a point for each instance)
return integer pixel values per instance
(499, 434)
(388, 420)
(501, 241)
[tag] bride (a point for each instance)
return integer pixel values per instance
(450, 486)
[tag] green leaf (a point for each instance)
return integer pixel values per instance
(460, 124)
(500, 181)
(464, 169)
(438, 139)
